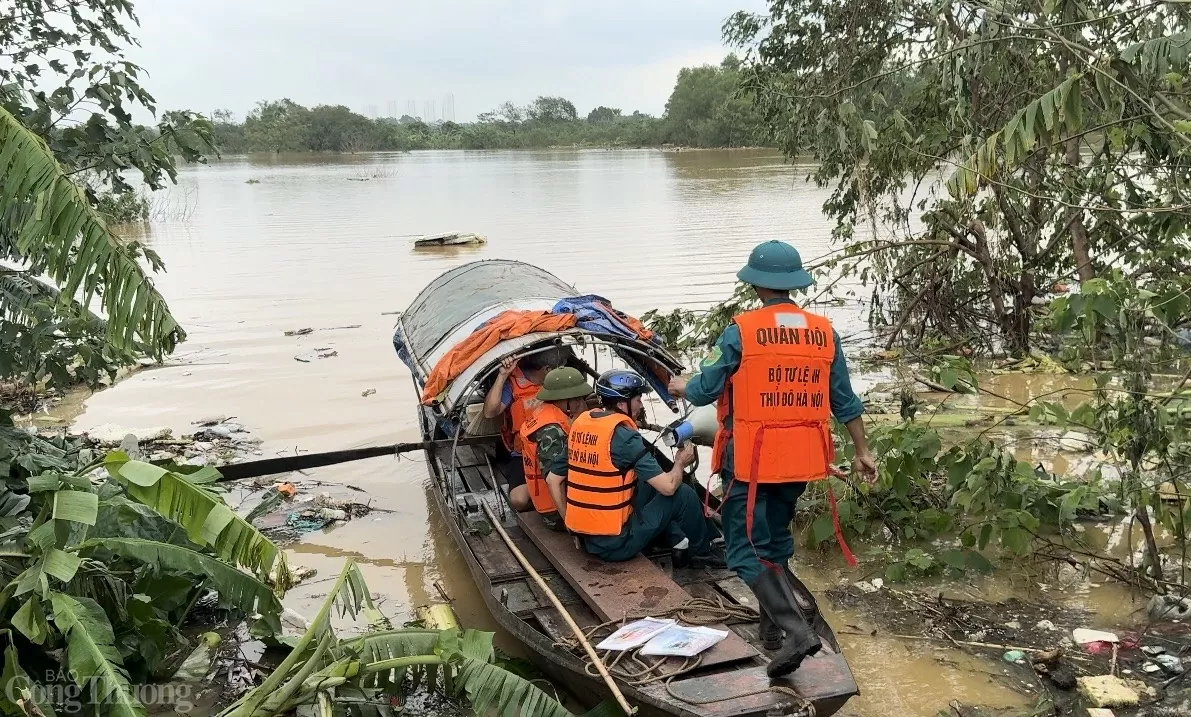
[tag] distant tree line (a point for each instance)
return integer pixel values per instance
(707, 108)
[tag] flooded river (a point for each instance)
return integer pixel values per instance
(325, 244)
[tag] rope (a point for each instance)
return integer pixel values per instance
(637, 670)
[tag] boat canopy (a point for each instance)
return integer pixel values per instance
(463, 299)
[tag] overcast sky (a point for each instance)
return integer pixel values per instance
(366, 54)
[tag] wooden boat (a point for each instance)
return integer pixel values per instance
(450, 239)
(729, 679)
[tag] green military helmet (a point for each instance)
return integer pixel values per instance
(563, 383)
(775, 265)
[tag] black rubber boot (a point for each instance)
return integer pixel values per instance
(770, 633)
(777, 598)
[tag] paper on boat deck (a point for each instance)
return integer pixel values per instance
(683, 641)
(634, 634)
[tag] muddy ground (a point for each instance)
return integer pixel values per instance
(1028, 645)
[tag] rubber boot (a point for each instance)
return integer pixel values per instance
(770, 633)
(777, 598)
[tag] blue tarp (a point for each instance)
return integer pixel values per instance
(595, 314)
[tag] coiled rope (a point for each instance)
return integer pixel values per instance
(633, 668)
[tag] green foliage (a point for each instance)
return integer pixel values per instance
(1143, 429)
(686, 331)
(1056, 127)
(708, 108)
(124, 208)
(91, 656)
(65, 118)
(974, 492)
(208, 521)
(48, 222)
(460, 663)
(83, 567)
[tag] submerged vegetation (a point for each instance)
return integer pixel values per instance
(706, 109)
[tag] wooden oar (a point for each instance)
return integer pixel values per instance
(562, 611)
(270, 466)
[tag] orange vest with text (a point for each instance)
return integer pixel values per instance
(779, 398)
(539, 417)
(524, 400)
(599, 495)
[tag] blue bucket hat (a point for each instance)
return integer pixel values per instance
(775, 265)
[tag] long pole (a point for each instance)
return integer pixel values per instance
(271, 466)
(591, 653)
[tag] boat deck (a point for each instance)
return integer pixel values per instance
(730, 679)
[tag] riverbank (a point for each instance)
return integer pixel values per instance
(305, 248)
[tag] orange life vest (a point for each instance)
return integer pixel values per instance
(599, 495)
(779, 398)
(541, 416)
(524, 400)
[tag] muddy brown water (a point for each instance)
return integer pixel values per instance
(309, 247)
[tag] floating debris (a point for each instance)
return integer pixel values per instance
(367, 392)
(1016, 656)
(450, 239)
(300, 332)
(1083, 636)
(1169, 607)
(1107, 691)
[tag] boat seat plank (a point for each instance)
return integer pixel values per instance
(498, 562)
(822, 679)
(630, 589)
(517, 596)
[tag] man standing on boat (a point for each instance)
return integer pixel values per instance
(616, 497)
(779, 374)
(562, 397)
(513, 395)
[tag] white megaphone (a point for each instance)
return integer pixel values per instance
(700, 425)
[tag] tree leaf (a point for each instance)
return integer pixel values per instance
(76, 506)
(207, 520)
(61, 564)
(30, 620)
(53, 223)
(235, 588)
(1073, 107)
(12, 503)
(985, 536)
(822, 528)
(91, 655)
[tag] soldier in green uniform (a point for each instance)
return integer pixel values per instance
(664, 508)
(774, 270)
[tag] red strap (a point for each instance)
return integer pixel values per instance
(752, 497)
(839, 533)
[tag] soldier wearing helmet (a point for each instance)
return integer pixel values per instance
(611, 490)
(777, 374)
(562, 397)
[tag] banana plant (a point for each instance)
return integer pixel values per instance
(365, 676)
(100, 566)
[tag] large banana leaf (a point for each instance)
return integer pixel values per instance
(207, 520)
(234, 586)
(321, 667)
(59, 233)
(91, 655)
